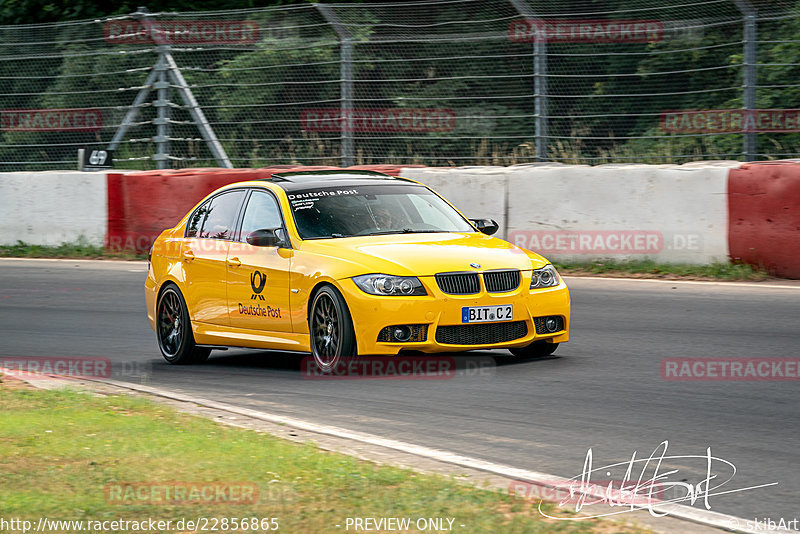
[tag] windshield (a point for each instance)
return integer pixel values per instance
(331, 212)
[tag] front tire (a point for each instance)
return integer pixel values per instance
(537, 349)
(174, 330)
(331, 329)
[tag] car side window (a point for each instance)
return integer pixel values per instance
(262, 212)
(197, 219)
(221, 215)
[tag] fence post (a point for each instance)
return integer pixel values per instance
(539, 80)
(162, 106)
(346, 90)
(540, 92)
(749, 74)
(348, 155)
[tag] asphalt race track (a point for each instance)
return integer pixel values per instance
(604, 391)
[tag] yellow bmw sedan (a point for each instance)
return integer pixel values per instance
(344, 263)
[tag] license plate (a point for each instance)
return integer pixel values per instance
(482, 314)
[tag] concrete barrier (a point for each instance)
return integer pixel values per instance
(673, 214)
(670, 213)
(391, 170)
(51, 208)
(478, 192)
(764, 204)
(143, 204)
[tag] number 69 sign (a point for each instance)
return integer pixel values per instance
(94, 160)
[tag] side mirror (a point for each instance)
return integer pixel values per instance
(265, 237)
(487, 226)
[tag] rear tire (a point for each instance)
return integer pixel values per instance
(174, 330)
(331, 329)
(537, 349)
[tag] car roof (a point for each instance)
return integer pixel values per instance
(293, 181)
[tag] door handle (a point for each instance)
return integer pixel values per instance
(234, 262)
(188, 255)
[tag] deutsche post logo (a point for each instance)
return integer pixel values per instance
(257, 281)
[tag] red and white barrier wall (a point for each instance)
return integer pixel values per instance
(693, 213)
(142, 204)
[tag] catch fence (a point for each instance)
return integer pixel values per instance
(436, 82)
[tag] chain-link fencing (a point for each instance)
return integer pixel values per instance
(437, 82)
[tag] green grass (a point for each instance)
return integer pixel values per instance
(77, 249)
(652, 269)
(59, 449)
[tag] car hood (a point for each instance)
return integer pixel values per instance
(426, 254)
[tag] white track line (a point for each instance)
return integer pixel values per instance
(705, 517)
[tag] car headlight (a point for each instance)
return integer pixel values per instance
(547, 276)
(384, 284)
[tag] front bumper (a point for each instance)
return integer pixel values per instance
(371, 314)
